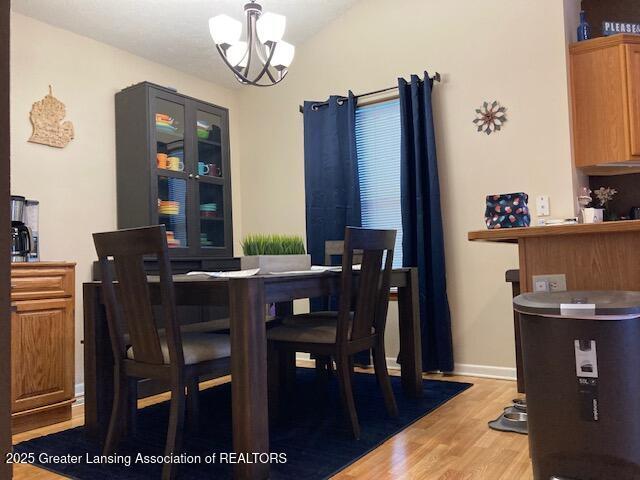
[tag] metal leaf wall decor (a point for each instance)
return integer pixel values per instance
(490, 117)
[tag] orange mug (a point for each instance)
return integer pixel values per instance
(161, 160)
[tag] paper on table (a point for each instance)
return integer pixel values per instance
(234, 274)
(337, 268)
(316, 269)
(325, 268)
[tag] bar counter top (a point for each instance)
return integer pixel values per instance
(512, 235)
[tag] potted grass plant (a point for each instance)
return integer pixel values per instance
(274, 253)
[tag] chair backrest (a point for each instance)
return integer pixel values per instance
(335, 248)
(372, 295)
(129, 302)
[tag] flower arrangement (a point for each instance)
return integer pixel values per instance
(262, 244)
(604, 195)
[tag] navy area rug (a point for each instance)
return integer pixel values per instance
(313, 441)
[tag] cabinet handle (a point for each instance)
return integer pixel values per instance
(191, 175)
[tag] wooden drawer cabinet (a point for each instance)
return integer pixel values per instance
(34, 283)
(42, 344)
(605, 96)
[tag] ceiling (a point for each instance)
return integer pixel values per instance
(175, 32)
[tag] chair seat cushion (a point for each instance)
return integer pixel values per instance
(196, 347)
(320, 331)
(206, 327)
(305, 319)
(316, 327)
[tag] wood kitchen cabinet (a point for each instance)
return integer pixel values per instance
(42, 343)
(605, 96)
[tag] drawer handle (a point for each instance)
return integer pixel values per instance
(13, 285)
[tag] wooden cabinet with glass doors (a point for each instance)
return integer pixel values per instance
(173, 169)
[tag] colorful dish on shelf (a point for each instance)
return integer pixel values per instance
(165, 123)
(172, 242)
(168, 207)
(203, 130)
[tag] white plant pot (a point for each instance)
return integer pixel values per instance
(593, 215)
(276, 263)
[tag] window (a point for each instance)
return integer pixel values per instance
(378, 148)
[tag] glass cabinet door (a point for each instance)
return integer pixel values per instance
(211, 183)
(211, 211)
(172, 210)
(169, 128)
(172, 186)
(208, 133)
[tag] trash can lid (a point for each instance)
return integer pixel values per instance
(599, 305)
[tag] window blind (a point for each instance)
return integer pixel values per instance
(378, 149)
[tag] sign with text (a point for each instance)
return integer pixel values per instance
(613, 28)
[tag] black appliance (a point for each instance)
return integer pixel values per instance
(21, 239)
(634, 213)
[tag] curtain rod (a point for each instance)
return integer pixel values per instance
(435, 78)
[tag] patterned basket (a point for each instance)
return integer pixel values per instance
(507, 210)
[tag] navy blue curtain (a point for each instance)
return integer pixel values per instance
(331, 181)
(330, 174)
(423, 244)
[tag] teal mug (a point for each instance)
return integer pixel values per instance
(203, 168)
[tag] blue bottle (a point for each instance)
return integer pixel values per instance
(584, 30)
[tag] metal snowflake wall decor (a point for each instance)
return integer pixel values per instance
(490, 117)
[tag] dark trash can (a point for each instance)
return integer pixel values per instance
(581, 355)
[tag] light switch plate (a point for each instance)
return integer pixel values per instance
(542, 205)
(553, 283)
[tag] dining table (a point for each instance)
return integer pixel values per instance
(246, 299)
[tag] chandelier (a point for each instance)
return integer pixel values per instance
(264, 58)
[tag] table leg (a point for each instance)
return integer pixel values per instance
(98, 365)
(286, 360)
(249, 375)
(410, 338)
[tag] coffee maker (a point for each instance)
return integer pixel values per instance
(21, 238)
(32, 220)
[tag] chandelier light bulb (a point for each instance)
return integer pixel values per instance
(225, 30)
(237, 54)
(283, 56)
(270, 27)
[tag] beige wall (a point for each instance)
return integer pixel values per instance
(76, 185)
(509, 50)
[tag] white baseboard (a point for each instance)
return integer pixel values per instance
(485, 371)
(79, 394)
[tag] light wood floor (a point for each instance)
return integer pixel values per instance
(451, 443)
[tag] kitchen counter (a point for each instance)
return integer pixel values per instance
(512, 235)
(600, 256)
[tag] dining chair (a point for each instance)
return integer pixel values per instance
(332, 249)
(358, 326)
(335, 248)
(140, 348)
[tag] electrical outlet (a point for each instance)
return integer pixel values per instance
(540, 285)
(550, 283)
